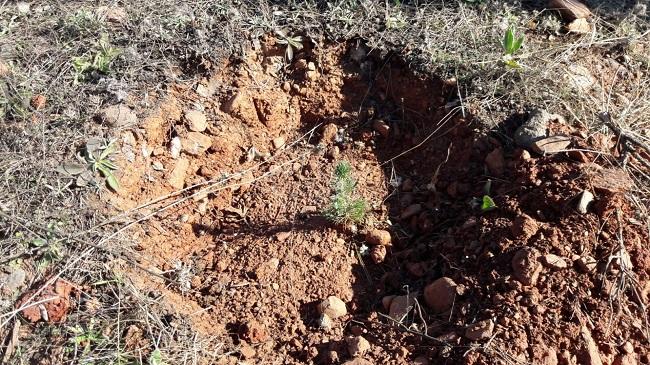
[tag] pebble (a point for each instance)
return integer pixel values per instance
(386, 301)
(329, 134)
(378, 254)
(333, 307)
(278, 142)
(118, 115)
(586, 197)
(587, 263)
(379, 237)
(357, 346)
(195, 143)
(480, 330)
(524, 227)
(410, 211)
(579, 26)
(247, 351)
(495, 162)
(526, 265)
(400, 307)
(440, 294)
(554, 262)
(175, 146)
(177, 177)
(592, 356)
(381, 127)
(196, 120)
(282, 236)
(550, 145)
(325, 322)
(157, 165)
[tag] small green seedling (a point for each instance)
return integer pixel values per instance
(99, 62)
(511, 44)
(487, 204)
(103, 164)
(292, 42)
(156, 358)
(345, 207)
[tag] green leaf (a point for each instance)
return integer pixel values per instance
(518, 43)
(508, 40)
(38, 242)
(156, 358)
(488, 204)
(112, 182)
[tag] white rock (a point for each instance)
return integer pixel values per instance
(586, 197)
(196, 120)
(333, 307)
(175, 147)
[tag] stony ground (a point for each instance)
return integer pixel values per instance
(176, 216)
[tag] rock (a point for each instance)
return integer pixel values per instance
(495, 162)
(311, 66)
(524, 227)
(4, 69)
(381, 127)
(175, 146)
(417, 269)
(333, 307)
(378, 254)
(158, 166)
(535, 128)
(379, 237)
(480, 330)
(586, 197)
(579, 26)
(325, 322)
(278, 142)
(554, 262)
(282, 236)
(526, 266)
(118, 116)
(246, 351)
(357, 346)
(550, 145)
(196, 121)
(386, 302)
(23, 7)
(591, 356)
(15, 280)
(544, 355)
(195, 143)
(587, 263)
(440, 295)
(570, 9)
(580, 77)
(177, 177)
(410, 211)
(400, 307)
(627, 347)
(329, 134)
(626, 359)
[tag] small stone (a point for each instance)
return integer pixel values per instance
(570, 9)
(325, 322)
(286, 86)
(333, 307)
(23, 7)
(158, 166)
(118, 116)
(417, 269)
(175, 146)
(586, 197)
(311, 66)
(15, 280)
(579, 26)
(535, 128)
(38, 102)
(254, 332)
(550, 145)
(329, 134)
(196, 120)
(410, 211)
(480, 331)
(627, 359)
(628, 348)
(282, 236)
(587, 263)
(526, 265)
(378, 254)
(278, 142)
(379, 237)
(592, 356)
(358, 361)
(113, 14)
(247, 351)
(202, 90)
(386, 302)
(177, 176)
(554, 262)
(357, 346)
(440, 295)
(400, 307)
(195, 143)
(495, 162)
(4, 69)
(381, 127)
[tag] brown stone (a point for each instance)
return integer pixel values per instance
(480, 330)
(550, 145)
(554, 262)
(357, 346)
(378, 254)
(177, 176)
(400, 307)
(378, 237)
(495, 162)
(329, 134)
(440, 294)
(526, 265)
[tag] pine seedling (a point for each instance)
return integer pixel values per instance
(345, 207)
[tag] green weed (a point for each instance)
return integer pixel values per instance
(345, 207)
(291, 42)
(99, 62)
(511, 44)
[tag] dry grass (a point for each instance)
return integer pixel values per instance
(165, 41)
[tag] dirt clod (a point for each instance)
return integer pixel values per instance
(495, 162)
(526, 265)
(118, 115)
(400, 307)
(440, 294)
(196, 121)
(378, 237)
(329, 134)
(554, 262)
(480, 330)
(177, 176)
(38, 102)
(357, 346)
(195, 143)
(333, 307)
(524, 227)
(378, 254)
(587, 263)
